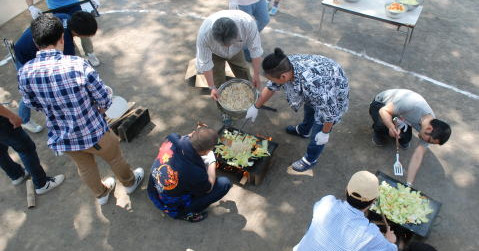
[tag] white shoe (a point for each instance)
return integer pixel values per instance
(51, 183)
(94, 61)
(21, 179)
(33, 127)
(110, 184)
(139, 174)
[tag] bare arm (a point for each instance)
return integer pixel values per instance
(14, 119)
(256, 62)
(29, 2)
(327, 126)
(211, 171)
(415, 163)
(211, 84)
(266, 94)
(386, 113)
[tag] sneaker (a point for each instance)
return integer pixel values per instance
(94, 61)
(139, 174)
(21, 179)
(378, 140)
(293, 130)
(52, 182)
(273, 11)
(110, 185)
(195, 217)
(32, 127)
(301, 165)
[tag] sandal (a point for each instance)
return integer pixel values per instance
(195, 217)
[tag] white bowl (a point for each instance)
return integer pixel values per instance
(411, 4)
(395, 14)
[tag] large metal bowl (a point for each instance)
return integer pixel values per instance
(411, 4)
(352, 1)
(395, 14)
(239, 113)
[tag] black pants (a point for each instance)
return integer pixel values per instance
(380, 129)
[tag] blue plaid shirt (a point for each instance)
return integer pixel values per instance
(70, 92)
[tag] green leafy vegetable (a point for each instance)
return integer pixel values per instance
(238, 148)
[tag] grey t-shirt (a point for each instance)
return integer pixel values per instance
(408, 105)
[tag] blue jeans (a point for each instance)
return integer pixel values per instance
(309, 126)
(260, 13)
(19, 140)
(220, 189)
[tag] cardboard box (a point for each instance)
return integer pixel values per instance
(198, 80)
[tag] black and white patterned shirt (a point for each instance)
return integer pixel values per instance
(320, 82)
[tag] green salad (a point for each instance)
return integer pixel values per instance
(239, 149)
(401, 205)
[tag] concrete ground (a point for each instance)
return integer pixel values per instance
(144, 47)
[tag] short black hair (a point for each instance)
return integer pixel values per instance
(276, 64)
(440, 131)
(46, 30)
(224, 30)
(83, 23)
(204, 139)
(357, 203)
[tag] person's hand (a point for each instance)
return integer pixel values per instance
(256, 81)
(15, 120)
(252, 113)
(401, 125)
(96, 3)
(321, 138)
(214, 94)
(393, 132)
(390, 236)
(34, 11)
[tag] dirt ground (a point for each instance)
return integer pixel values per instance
(144, 47)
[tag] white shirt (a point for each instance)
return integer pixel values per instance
(206, 45)
(337, 226)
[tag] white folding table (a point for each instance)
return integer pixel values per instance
(375, 9)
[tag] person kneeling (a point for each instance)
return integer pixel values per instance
(183, 180)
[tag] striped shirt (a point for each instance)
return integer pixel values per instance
(69, 91)
(206, 45)
(337, 226)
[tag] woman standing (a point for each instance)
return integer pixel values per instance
(314, 81)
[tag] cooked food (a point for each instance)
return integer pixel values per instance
(396, 7)
(401, 205)
(236, 97)
(239, 149)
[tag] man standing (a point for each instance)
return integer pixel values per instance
(342, 225)
(222, 37)
(395, 112)
(73, 97)
(86, 42)
(11, 134)
(315, 82)
(81, 24)
(183, 180)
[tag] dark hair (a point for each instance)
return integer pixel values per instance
(83, 23)
(225, 30)
(276, 64)
(419, 246)
(440, 131)
(357, 203)
(46, 30)
(204, 139)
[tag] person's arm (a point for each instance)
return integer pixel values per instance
(211, 84)
(29, 2)
(256, 62)
(211, 171)
(386, 114)
(34, 11)
(99, 92)
(415, 163)
(265, 95)
(14, 119)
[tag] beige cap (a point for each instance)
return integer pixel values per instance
(363, 186)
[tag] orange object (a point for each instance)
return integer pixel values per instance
(396, 6)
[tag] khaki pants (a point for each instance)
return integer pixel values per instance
(238, 66)
(110, 152)
(87, 45)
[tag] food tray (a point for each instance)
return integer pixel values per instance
(419, 229)
(260, 165)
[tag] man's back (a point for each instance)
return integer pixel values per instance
(338, 226)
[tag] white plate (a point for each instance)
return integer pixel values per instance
(118, 107)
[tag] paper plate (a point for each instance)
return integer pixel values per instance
(118, 107)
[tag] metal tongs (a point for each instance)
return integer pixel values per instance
(397, 167)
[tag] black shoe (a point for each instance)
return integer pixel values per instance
(405, 145)
(195, 217)
(293, 130)
(378, 140)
